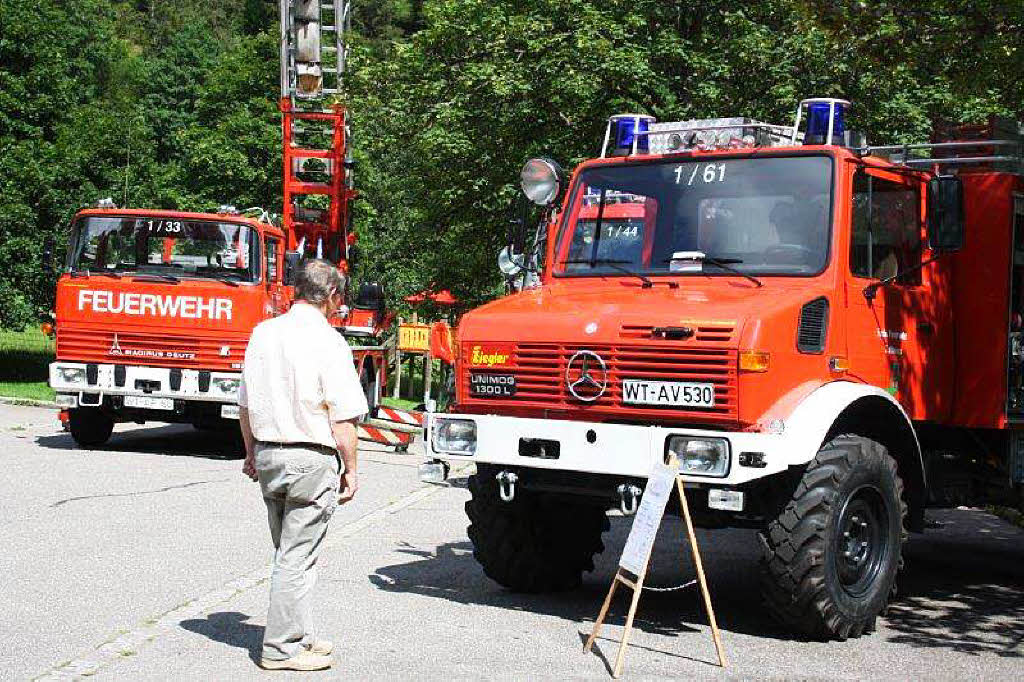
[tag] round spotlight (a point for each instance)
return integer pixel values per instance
(541, 180)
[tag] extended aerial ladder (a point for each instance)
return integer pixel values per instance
(317, 164)
(318, 179)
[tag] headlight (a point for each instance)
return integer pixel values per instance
(72, 375)
(226, 385)
(700, 456)
(455, 436)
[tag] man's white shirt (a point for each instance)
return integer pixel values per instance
(298, 378)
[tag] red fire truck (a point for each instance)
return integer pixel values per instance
(827, 335)
(154, 308)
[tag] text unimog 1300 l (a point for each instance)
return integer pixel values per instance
(804, 322)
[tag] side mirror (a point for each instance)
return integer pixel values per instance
(371, 297)
(945, 213)
(291, 267)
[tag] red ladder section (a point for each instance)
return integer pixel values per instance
(315, 227)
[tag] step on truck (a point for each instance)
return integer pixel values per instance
(155, 308)
(827, 336)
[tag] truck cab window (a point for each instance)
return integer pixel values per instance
(886, 229)
(272, 250)
(765, 216)
(169, 246)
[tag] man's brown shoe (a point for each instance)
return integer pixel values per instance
(304, 660)
(324, 647)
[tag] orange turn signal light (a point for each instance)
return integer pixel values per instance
(754, 360)
(838, 364)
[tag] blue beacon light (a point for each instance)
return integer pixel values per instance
(625, 129)
(822, 113)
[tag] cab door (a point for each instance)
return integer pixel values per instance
(899, 334)
(276, 300)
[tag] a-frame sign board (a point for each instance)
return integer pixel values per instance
(636, 556)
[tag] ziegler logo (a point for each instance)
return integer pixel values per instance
(186, 307)
(490, 356)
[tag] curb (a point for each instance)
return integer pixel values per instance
(27, 402)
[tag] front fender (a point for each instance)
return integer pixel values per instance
(848, 407)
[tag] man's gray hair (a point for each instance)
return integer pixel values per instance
(317, 280)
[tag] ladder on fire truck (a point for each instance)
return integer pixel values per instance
(318, 182)
(317, 164)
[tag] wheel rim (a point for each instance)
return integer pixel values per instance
(862, 544)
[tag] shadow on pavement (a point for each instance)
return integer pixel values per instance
(963, 589)
(172, 440)
(450, 572)
(229, 627)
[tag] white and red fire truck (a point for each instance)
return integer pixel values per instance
(826, 335)
(154, 308)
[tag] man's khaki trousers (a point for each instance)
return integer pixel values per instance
(300, 487)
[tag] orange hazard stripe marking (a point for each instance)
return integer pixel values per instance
(401, 416)
(384, 436)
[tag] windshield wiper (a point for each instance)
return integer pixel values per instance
(617, 264)
(97, 273)
(724, 263)
(222, 277)
(154, 276)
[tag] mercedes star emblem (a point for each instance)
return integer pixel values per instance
(586, 376)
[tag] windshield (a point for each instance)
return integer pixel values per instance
(164, 246)
(756, 215)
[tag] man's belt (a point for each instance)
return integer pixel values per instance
(319, 447)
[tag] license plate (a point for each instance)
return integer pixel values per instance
(148, 403)
(686, 394)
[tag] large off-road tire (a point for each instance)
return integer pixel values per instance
(535, 543)
(90, 426)
(830, 558)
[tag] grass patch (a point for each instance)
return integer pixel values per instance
(26, 390)
(25, 356)
(24, 364)
(400, 403)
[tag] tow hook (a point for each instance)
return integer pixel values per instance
(629, 494)
(507, 485)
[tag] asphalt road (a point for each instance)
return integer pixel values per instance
(147, 560)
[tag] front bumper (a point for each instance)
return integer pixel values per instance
(150, 382)
(614, 449)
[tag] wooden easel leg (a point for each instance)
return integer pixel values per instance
(604, 612)
(700, 574)
(620, 659)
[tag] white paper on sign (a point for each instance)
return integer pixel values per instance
(648, 518)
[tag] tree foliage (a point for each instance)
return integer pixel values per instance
(172, 104)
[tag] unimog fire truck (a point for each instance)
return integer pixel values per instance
(827, 335)
(155, 308)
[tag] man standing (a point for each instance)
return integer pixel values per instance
(299, 399)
